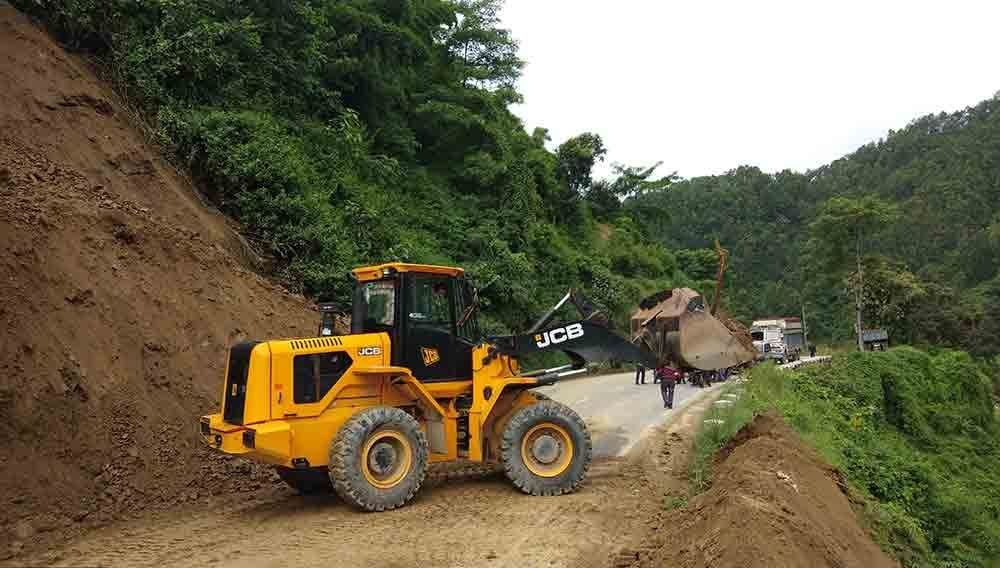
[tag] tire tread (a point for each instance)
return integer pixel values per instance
(510, 448)
(348, 481)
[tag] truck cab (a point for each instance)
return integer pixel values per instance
(769, 339)
(778, 339)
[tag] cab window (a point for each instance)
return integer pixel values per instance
(315, 374)
(430, 305)
(374, 306)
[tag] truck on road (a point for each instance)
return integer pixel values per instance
(778, 339)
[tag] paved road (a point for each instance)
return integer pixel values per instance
(616, 409)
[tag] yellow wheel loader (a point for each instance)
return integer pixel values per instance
(412, 384)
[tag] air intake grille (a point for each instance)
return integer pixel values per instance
(299, 344)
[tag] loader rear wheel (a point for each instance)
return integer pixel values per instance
(306, 481)
(378, 459)
(546, 449)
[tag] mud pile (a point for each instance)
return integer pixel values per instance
(119, 295)
(772, 503)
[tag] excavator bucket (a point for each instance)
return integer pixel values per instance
(676, 325)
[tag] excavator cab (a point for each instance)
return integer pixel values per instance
(428, 313)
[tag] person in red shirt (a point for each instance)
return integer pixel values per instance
(668, 380)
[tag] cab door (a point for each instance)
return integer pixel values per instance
(429, 327)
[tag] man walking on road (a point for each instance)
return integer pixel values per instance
(668, 380)
(640, 374)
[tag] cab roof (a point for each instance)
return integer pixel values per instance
(366, 273)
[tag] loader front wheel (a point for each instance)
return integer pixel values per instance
(378, 459)
(546, 449)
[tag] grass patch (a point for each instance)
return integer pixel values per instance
(671, 502)
(915, 434)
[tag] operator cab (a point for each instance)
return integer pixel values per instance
(428, 312)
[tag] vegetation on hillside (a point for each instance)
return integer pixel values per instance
(342, 132)
(345, 132)
(931, 268)
(916, 434)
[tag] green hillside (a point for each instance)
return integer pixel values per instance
(931, 265)
(344, 132)
(916, 435)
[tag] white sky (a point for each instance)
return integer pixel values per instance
(707, 85)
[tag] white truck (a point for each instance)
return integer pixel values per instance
(779, 339)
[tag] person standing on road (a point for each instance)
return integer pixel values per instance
(812, 349)
(640, 374)
(668, 380)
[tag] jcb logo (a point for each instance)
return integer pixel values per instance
(558, 335)
(369, 351)
(429, 355)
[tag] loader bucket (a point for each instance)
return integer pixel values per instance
(676, 325)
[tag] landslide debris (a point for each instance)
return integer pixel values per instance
(119, 295)
(772, 503)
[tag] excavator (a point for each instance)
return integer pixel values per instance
(413, 383)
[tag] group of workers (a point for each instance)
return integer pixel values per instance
(668, 377)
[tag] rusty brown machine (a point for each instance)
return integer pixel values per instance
(677, 326)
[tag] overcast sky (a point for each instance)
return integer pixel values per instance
(706, 86)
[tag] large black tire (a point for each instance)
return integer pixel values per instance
(545, 449)
(306, 481)
(378, 459)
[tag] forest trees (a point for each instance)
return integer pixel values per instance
(345, 132)
(937, 261)
(341, 132)
(843, 228)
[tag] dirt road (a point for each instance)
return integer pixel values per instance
(459, 520)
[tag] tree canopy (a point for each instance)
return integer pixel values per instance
(346, 132)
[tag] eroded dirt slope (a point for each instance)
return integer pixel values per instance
(772, 503)
(119, 294)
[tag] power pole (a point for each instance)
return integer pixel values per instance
(858, 295)
(805, 328)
